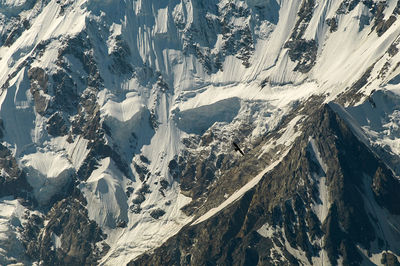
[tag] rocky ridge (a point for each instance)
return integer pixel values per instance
(285, 201)
(121, 116)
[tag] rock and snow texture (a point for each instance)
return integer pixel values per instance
(105, 101)
(47, 173)
(238, 194)
(323, 203)
(11, 218)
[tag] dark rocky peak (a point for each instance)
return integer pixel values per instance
(281, 217)
(350, 166)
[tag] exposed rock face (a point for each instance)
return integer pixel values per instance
(56, 126)
(38, 89)
(12, 179)
(16, 22)
(237, 41)
(389, 259)
(347, 6)
(120, 56)
(156, 214)
(99, 150)
(332, 23)
(301, 50)
(283, 201)
(385, 185)
(67, 238)
(381, 25)
(119, 117)
(65, 93)
(140, 198)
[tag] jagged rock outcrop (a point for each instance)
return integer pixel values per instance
(301, 50)
(327, 154)
(67, 238)
(12, 179)
(119, 117)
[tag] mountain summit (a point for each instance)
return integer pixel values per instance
(117, 120)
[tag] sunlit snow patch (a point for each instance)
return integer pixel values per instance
(322, 207)
(130, 124)
(76, 151)
(144, 233)
(124, 110)
(280, 244)
(11, 218)
(48, 173)
(107, 201)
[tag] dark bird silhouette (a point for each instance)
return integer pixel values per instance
(236, 147)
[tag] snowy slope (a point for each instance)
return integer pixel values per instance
(12, 217)
(149, 74)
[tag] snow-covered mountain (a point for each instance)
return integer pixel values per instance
(117, 120)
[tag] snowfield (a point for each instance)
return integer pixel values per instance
(165, 93)
(11, 219)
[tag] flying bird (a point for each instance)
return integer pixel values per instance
(236, 147)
